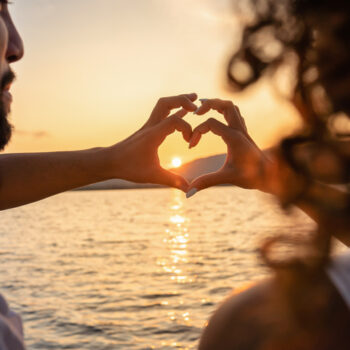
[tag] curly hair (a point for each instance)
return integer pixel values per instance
(313, 38)
(316, 33)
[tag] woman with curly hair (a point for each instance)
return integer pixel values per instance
(306, 304)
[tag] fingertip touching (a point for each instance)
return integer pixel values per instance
(205, 181)
(190, 193)
(180, 183)
(204, 107)
(168, 178)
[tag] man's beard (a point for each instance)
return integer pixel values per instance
(5, 126)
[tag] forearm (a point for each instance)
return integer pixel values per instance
(26, 178)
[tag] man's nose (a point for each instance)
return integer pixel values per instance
(15, 49)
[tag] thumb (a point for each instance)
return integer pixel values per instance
(205, 181)
(168, 178)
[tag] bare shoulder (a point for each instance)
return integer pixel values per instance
(233, 322)
(285, 312)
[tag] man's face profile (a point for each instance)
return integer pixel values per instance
(11, 50)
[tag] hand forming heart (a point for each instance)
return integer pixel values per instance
(245, 162)
(136, 158)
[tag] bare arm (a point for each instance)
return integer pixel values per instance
(25, 178)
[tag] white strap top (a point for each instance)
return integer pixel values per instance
(11, 330)
(339, 273)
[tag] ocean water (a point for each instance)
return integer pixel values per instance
(132, 269)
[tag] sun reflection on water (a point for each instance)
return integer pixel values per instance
(176, 240)
(175, 259)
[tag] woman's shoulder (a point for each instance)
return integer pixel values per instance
(235, 319)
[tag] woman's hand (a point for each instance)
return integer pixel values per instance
(136, 158)
(245, 162)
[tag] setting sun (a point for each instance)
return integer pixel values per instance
(176, 162)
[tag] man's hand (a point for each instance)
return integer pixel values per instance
(245, 162)
(29, 177)
(136, 158)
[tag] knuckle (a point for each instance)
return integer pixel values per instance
(183, 99)
(179, 114)
(164, 100)
(236, 133)
(229, 104)
(160, 100)
(175, 119)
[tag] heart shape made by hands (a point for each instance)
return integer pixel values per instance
(137, 160)
(244, 160)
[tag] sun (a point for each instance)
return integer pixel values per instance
(176, 162)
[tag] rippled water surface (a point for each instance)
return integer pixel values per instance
(132, 269)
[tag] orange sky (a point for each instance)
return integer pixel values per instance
(93, 70)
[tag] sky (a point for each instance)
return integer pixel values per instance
(93, 70)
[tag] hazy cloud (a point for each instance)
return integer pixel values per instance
(34, 134)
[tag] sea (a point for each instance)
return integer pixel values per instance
(133, 269)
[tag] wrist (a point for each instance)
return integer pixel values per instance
(104, 163)
(116, 161)
(267, 170)
(280, 179)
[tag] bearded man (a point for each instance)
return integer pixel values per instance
(28, 177)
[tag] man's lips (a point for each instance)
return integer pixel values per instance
(7, 87)
(6, 82)
(6, 92)
(7, 95)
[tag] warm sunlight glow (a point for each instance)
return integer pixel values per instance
(170, 56)
(176, 162)
(177, 219)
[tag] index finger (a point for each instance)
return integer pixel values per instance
(212, 125)
(173, 123)
(224, 107)
(165, 104)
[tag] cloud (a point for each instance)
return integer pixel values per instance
(39, 134)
